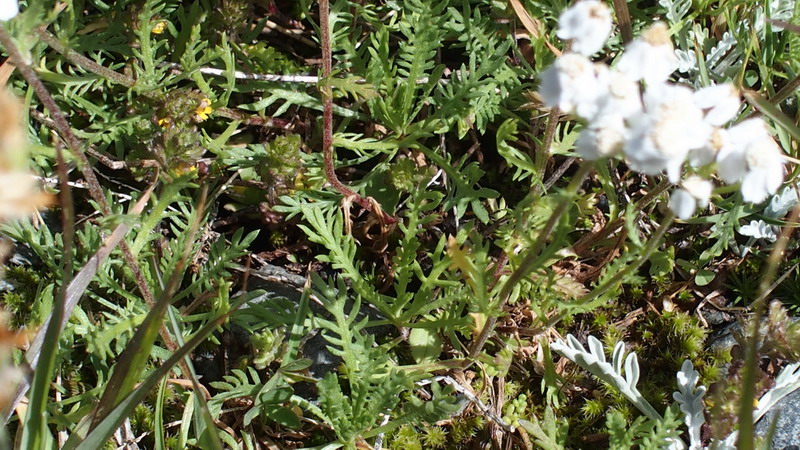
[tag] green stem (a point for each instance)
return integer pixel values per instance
(526, 266)
(651, 246)
(746, 426)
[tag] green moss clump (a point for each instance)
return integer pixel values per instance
(21, 302)
(435, 437)
(405, 438)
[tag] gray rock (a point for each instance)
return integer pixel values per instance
(786, 412)
(283, 293)
(722, 340)
(715, 317)
(787, 427)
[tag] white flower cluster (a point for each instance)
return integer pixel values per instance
(8, 9)
(663, 126)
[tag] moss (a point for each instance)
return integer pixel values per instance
(142, 418)
(405, 438)
(435, 437)
(464, 429)
(22, 300)
(594, 408)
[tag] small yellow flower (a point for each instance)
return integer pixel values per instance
(164, 123)
(159, 27)
(203, 110)
(185, 169)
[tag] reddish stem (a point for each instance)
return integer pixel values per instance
(368, 203)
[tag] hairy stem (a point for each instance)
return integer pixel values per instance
(547, 141)
(624, 20)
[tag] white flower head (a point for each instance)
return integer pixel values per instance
(764, 171)
(750, 155)
(650, 57)
(662, 139)
(601, 140)
(8, 9)
(695, 192)
(622, 95)
(588, 24)
(573, 83)
(721, 103)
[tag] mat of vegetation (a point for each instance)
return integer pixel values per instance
(398, 224)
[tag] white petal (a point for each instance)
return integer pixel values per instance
(573, 84)
(623, 97)
(600, 140)
(699, 188)
(550, 87)
(721, 102)
(754, 187)
(8, 9)
(748, 131)
(682, 204)
(674, 168)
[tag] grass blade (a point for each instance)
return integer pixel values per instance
(133, 359)
(74, 293)
(772, 111)
(106, 426)
(35, 429)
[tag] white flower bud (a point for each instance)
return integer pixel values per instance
(573, 83)
(588, 24)
(650, 57)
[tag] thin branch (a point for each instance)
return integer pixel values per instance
(77, 148)
(239, 75)
(82, 61)
(527, 263)
(624, 20)
(294, 34)
(59, 121)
